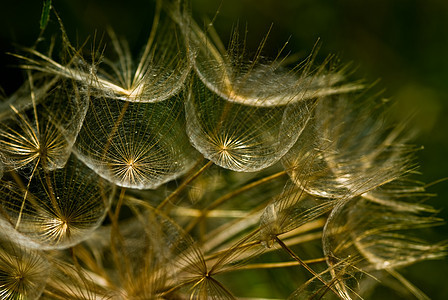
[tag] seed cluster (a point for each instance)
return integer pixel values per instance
(177, 174)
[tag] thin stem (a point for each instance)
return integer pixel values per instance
(229, 196)
(225, 232)
(249, 186)
(183, 185)
(25, 195)
(217, 213)
(239, 247)
(119, 204)
(116, 237)
(85, 256)
(33, 99)
(115, 128)
(176, 287)
(303, 238)
(149, 43)
(412, 288)
(303, 263)
(280, 264)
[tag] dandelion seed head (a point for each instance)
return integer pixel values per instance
(273, 158)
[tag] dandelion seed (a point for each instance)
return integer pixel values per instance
(252, 82)
(290, 210)
(237, 137)
(45, 138)
(159, 74)
(136, 145)
(377, 237)
(248, 115)
(61, 208)
(23, 273)
(346, 151)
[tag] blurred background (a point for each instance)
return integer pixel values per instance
(403, 43)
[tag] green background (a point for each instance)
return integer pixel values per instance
(404, 43)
